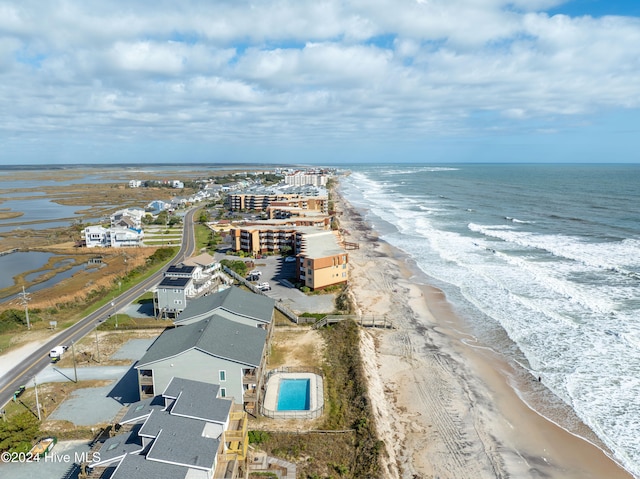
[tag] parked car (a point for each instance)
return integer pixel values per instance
(289, 259)
(255, 272)
(264, 286)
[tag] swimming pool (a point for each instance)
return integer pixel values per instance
(293, 395)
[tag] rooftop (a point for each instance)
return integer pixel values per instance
(171, 282)
(320, 244)
(233, 300)
(217, 336)
(198, 400)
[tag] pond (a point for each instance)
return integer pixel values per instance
(17, 263)
(20, 262)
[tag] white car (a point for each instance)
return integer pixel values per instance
(264, 286)
(255, 272)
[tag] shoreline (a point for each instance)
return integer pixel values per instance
(445, 404)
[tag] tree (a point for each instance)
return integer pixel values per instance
(18, 432)
(162, 218)
(204, 216)
(238, 266)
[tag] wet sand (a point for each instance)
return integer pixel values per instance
(447, 406)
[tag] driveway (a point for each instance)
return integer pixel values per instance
(277, 273)
(89, 406)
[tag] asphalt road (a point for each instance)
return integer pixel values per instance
(24, 373)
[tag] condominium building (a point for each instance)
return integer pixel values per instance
(310, 199)
(321, 260)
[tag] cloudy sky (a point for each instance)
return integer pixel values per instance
(319, 81)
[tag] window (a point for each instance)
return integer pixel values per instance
(222, 375)
(223, 392)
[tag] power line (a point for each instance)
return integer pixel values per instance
(24, 299)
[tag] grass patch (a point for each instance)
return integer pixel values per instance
(203, 236)
(145, 298)
(126, 322)
(353, 450)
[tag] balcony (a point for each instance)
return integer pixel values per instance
(249, 376)
(146, 380)
(249, 395)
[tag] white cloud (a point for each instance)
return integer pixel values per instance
(307, 69)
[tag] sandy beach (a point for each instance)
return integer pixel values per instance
(447, 406)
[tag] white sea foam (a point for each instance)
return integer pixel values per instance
(418, 169)
(560, 298)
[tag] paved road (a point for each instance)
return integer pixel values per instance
(24, 373)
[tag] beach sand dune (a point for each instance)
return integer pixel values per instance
(445, 406)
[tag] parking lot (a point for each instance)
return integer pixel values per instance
(277, 272)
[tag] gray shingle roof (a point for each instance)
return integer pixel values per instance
(179, 440)
(134, 466)
(216, 336)
(114, 448)
(139, 410)
(197, 399)
(233, 299)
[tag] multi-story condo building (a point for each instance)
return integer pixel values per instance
(321, 260)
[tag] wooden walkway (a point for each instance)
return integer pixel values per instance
(365, 321)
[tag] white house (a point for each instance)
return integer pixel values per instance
(121, 237)
(96, 236)
(135, 184)
(128, 218)
(100, 237)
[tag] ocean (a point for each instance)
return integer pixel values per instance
(543, 262)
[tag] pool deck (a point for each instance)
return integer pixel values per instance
(316, 395)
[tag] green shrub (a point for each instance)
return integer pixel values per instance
(19, 432)
(258, 437)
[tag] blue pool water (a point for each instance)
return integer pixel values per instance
(293, 395)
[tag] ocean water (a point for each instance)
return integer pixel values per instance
(548, 254)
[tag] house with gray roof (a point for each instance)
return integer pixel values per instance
(216, 350)
(184, 282)
(187, 432)
(233, 303)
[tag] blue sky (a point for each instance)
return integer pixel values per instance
(322, 81)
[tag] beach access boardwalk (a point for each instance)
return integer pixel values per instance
(365, 321)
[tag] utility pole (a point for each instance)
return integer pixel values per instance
(73, 352)
(37, 402)
(24, 299)
(97, 345)
(113, 305)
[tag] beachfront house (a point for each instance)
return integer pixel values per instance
(188, 431)
(233, 303)
(216, 350)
